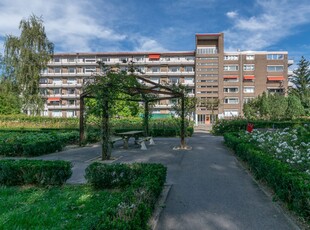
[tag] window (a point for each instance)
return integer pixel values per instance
(70, 60)
(90, 69)
(247, 99)
(231, 113)
(275, 68)
(71, 70)
(71, 91)
(208, 58)
(174, 69)
(105, 59)
(140, 69)
(208, 75)
(189, 58)
(57, 70)
(56, 113)
(56, 59)
(189, 69)
(248, 89)
(43, 91)
(209, 69)
(155, 69)
(275, 90)
(71, 81)
(231, 90)
(71, 102)
(56, 91)
(248, 67)
(189, 80)
(207, 63)
(43, 81)
(250, 57)
(231, 100)
(138, 59)
(71, 113)
(123, 59)
(90, 59)
(207, 50)
(231, 57)
(57, 81)
(275, 56)
(231, 67)
(174, 80)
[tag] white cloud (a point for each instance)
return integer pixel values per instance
(232, 14)
(277, 20)
(148, 44)
(71, 25)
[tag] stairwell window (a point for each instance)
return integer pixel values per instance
(248, 67)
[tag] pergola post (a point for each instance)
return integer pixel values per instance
(82, 128)
(183, 121)
(105, 129)
(146, 118)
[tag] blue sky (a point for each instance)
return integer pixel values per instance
(165, 25)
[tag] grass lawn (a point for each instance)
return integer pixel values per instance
(67, 207)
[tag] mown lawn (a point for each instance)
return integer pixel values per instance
(67, 207)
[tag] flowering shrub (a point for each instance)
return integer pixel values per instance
(289, 145)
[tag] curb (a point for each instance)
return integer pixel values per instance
(159, 206)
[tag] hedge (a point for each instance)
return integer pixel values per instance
(34, 143)
(226, 126)
(34, 172)
(289, 184)
(143, 183)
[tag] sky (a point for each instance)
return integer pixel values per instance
(164, 25)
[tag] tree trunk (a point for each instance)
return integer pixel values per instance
(146, 118)
(183, 145)
(82, 130)
(105, 132)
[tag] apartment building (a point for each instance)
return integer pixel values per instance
(230, 78)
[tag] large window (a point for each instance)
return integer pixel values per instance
(248, 89)
(155, 69)
(174, 80)
(174, 69)
(250, 57)
(207, 50)
(90, 69)
(71, 69)
(231, 100)
(231, 90)
(275, 56)
(71, 81)
(56, 113)
(231, 67)
(56, 91)
(275, 68)
(231, 57)
(189, 69)
(247, 99)
(57, 81)
(57, 70)
(231, 113)
(248, 67)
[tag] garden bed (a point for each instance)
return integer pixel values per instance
(113, 205)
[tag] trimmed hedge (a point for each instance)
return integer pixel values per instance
(143, 183)
(226, 126)
(36, 172)
(34, 143)
(289, 185)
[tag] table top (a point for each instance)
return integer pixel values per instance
(130, 133)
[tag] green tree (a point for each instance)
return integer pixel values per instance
(277, 104)
(301, 81)
(25, 56)
(107, 88)
(294, 107)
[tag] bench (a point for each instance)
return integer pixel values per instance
(114, 139)
(141, 141)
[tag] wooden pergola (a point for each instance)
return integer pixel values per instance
(143, 91)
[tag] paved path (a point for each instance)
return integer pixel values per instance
(210, 190)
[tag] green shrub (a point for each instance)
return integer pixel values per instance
(108, 176)
(37, 172)
(289, 185)
(226, 126)
(143, 186)
(34, 143)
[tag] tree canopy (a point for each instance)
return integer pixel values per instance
(301, 81)
(25, 56)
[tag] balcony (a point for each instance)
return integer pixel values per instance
(290, 62)
(53, 85)
(63, 106)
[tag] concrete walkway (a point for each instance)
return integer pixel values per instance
(210, 190)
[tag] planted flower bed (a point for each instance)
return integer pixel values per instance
(281, 159)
